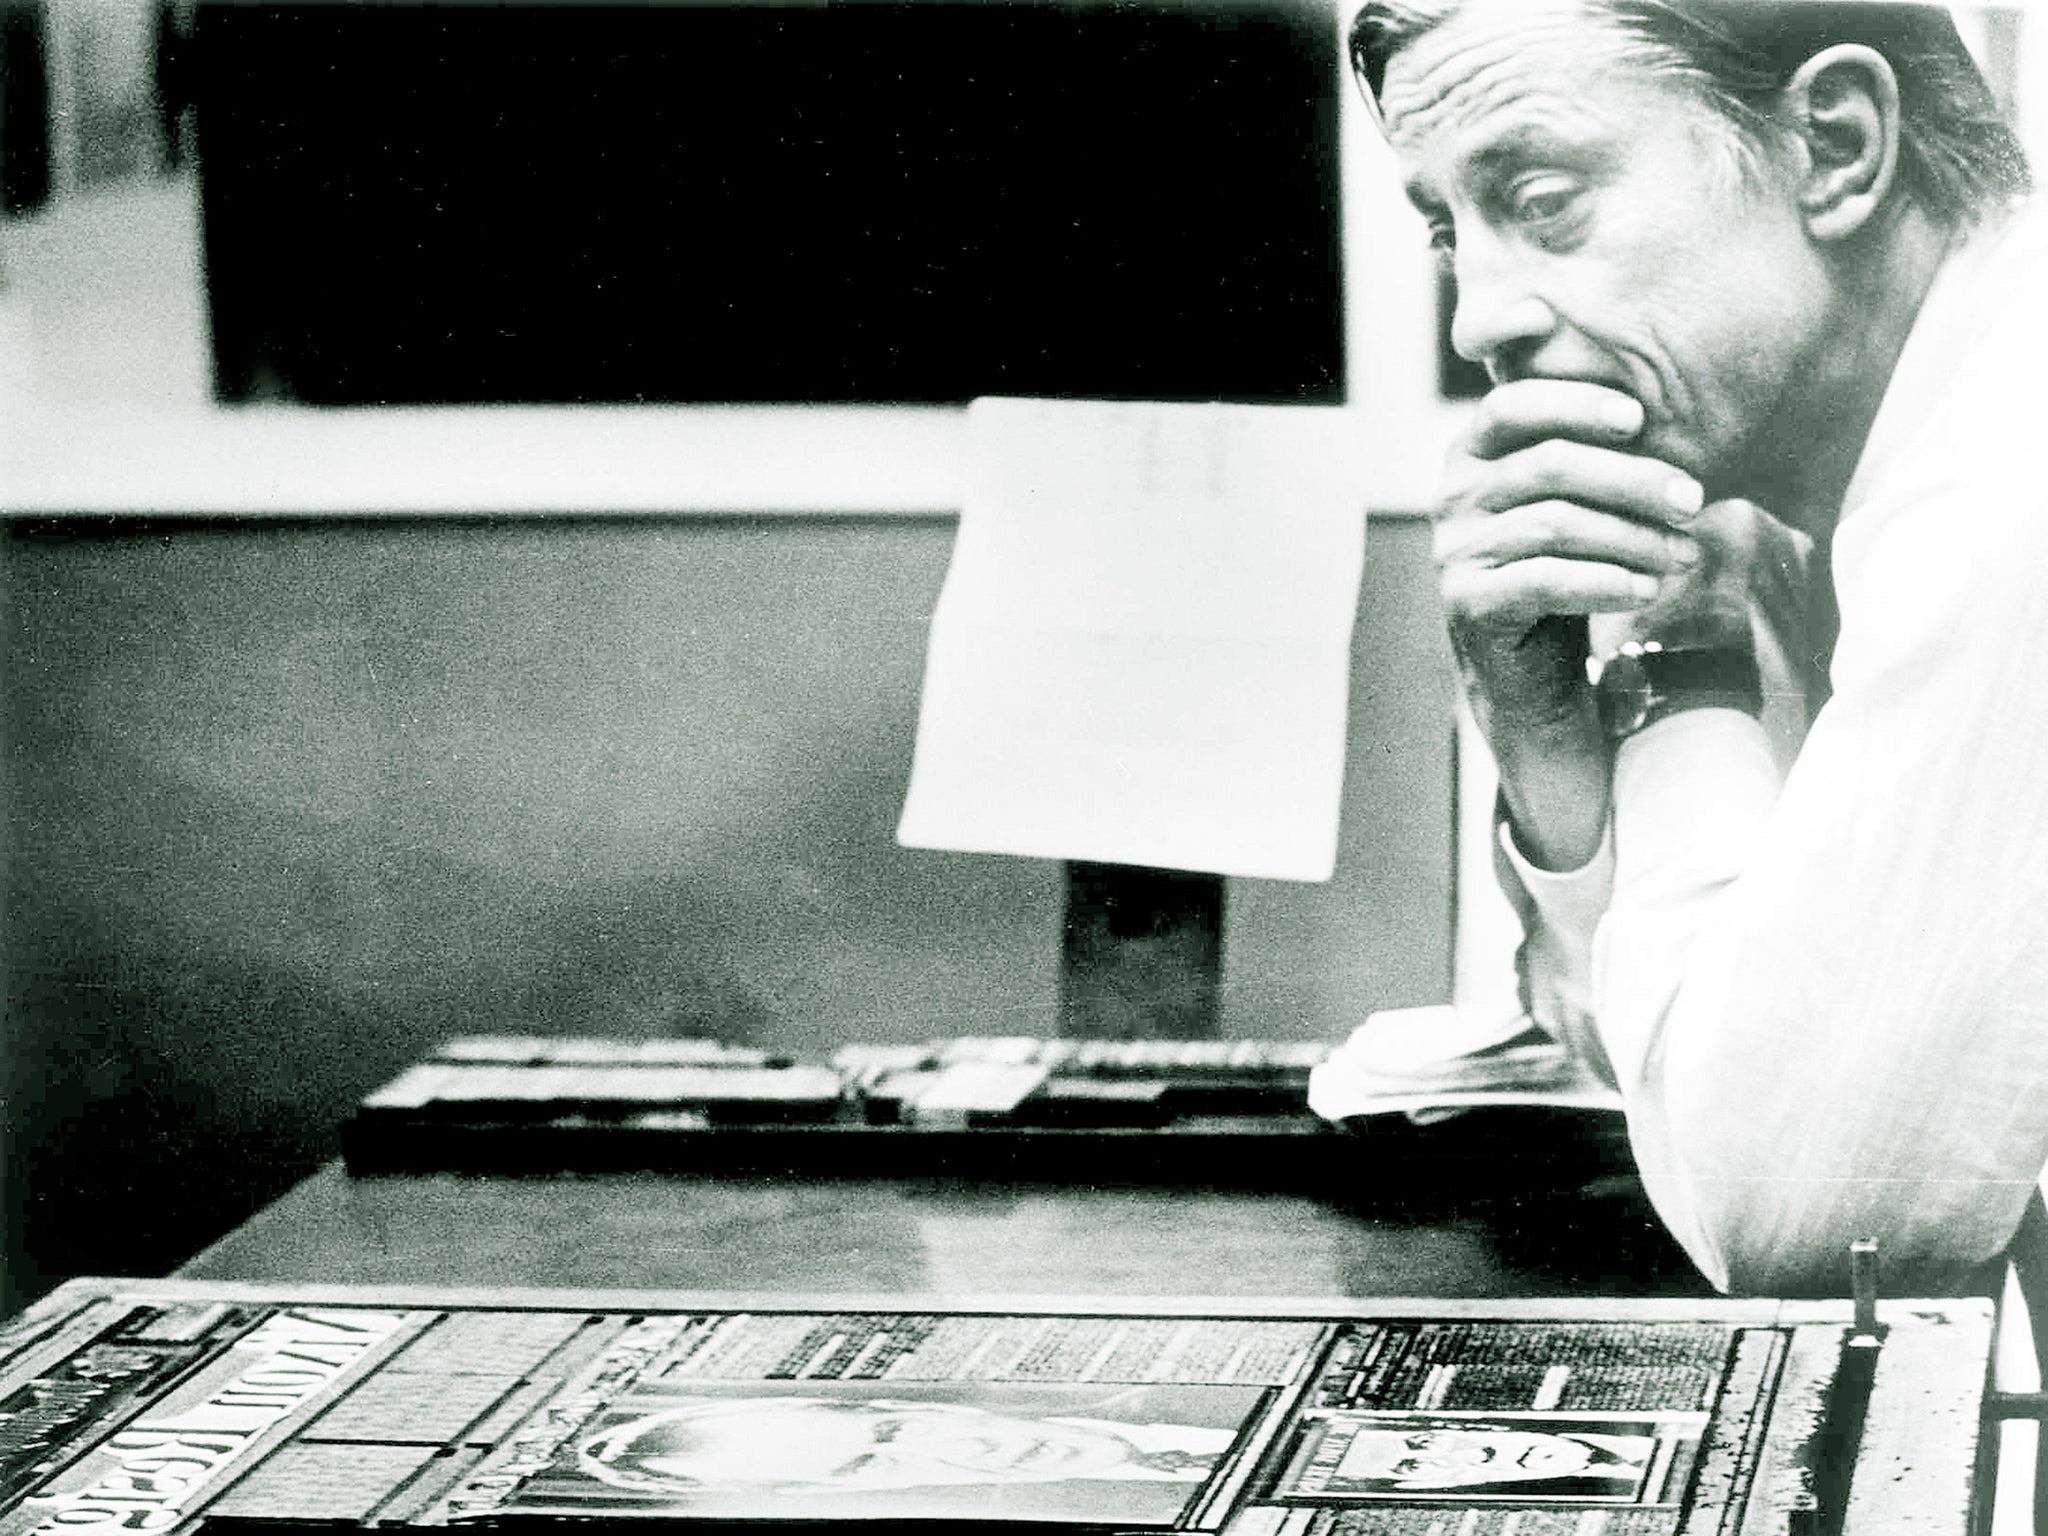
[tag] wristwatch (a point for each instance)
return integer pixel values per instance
(1645, 682)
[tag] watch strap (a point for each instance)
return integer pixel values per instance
(1645, 682)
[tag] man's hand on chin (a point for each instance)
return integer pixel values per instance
(1548, 520)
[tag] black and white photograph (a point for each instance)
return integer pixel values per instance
(1138, 1457)
(938, 658)
(1410, 1457)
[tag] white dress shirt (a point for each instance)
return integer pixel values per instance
(1823, 989)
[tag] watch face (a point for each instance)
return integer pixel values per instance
(1625, 695)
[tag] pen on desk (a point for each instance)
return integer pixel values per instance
(1839, 1437)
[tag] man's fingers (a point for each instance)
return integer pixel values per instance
(1517, 595)
(1558, 469)
(1568, 530)
(1529, 410)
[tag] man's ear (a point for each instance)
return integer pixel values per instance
(1843, 104)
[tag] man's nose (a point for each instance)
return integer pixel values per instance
(1500, 321)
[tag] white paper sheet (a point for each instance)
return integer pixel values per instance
(1142, 651)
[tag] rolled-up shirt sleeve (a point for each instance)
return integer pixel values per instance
(1824, 993)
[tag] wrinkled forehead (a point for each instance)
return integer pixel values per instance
(1491, 58)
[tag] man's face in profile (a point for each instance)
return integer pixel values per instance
(1602, 226)
(806, 1442)
(1462, 1458)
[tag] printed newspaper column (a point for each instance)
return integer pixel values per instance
(1142, 651)
(151, 1474)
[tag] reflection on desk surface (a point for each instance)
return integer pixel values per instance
(945, 1236)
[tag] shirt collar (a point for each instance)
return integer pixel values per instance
(1960, 303)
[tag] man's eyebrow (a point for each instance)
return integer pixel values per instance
(1517, 146)
(1506, 149)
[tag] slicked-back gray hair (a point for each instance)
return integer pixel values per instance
(1958, 157)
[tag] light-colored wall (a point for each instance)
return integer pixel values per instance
(288, 803)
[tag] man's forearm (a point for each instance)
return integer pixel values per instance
(1555, 781)
(1787, 1034)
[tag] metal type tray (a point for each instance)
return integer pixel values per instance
(180, 1406)
(1199, 1114)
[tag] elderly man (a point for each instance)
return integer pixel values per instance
(1765, 316)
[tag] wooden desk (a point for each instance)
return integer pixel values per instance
(938, 1236)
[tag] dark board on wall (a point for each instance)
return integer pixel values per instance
(923, 201)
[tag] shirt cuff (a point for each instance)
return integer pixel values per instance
(1571, 899)
(1560, 913)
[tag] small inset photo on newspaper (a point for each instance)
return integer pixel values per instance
(1522, 1458)
(1129, 1456)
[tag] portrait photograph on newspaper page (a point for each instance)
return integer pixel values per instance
(1130, 1456)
